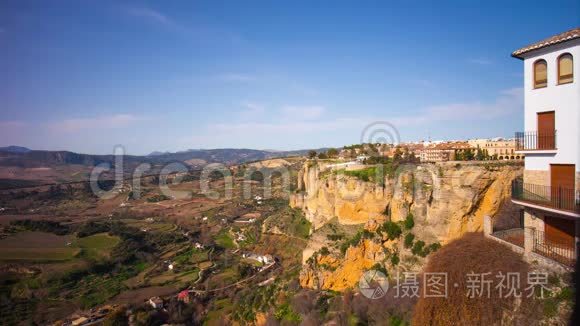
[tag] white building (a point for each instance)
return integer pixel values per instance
(549, 191)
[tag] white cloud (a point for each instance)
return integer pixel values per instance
(151, 15)
(314, 120)
(508, 101)
(251, 110)
(103, 122)
(303, 112)
(480, 61)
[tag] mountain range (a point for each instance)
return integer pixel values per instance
(24, 157)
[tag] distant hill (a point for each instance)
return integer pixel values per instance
(226, 155)
(15, 149)
(33, 158)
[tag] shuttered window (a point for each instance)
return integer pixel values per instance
(540, 74)
(565, 69)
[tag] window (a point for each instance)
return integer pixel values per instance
(565, 69)
(540, 74)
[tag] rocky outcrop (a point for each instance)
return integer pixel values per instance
(446, 200)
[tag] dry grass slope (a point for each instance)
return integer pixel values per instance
(474, 253)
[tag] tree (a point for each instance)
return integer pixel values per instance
(398, 154)
(322, 156)
(469, 155)
(479, 154)
(312, 154)
(332, 152)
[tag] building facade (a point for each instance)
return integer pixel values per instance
(549, 191)
(498, 148)
(436, 155)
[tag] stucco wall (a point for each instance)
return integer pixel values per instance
(564, 99)
(534, 219)
(536, 177)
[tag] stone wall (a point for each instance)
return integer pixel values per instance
(537, 177)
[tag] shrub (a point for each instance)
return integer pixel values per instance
(334, 237)
(381, 268)
(286, 313)
(418, 248)
(392, 229)
(395, 259)
(409, 238)
(324, 251)
(434, 246)
(409, 221)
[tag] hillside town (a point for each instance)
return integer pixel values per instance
(502, 149)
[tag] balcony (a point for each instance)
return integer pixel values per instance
(558, 250)
(561, 199)
(535, 141)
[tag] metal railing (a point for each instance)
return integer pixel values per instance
(560, 250)
(553, 197)
(534, 140)
(513, 236)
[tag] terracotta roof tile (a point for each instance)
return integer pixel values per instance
(556, 39)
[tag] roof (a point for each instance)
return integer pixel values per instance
(556, 39)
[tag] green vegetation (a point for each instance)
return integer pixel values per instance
(355, 240)
(42, 226)
(157, 198)
(392, 229)
(409, 221)
(224, 240)
(289, 220)
(395, 259)
(409, 238)
(37, 254)
(381, 268)
(418, 248)
(97, 246)
(374, 174)
(285, 313)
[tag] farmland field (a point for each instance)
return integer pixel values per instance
(36, 246)
(98, 245)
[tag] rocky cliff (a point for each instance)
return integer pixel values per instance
(444, 201)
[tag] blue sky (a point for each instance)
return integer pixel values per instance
(172, 75)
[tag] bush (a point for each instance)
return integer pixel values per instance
(286, 313)
(409, 238)
(381, 268)
(409, 222)
(42, 226)
(395, 259)
(434, 247)
(324, 251)
(418, 248)
(91, 228)
(392, 229)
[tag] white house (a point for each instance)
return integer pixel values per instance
(549, 191)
